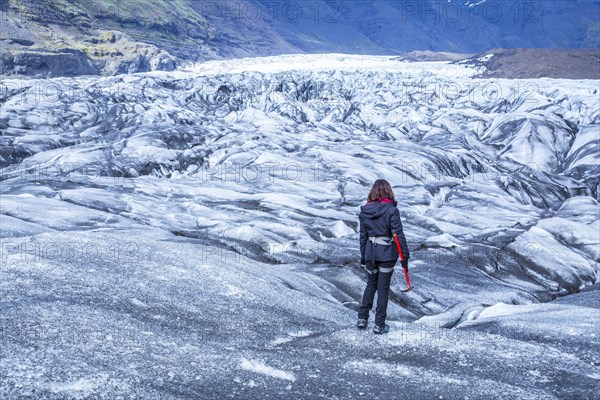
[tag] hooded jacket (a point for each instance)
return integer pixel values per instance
(381, 218)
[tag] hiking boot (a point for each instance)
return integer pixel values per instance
(378, 329)
(362, 323)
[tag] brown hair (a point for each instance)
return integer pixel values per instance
(381, 189)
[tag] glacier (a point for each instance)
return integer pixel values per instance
(193, 234)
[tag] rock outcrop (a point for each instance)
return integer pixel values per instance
(46, 64)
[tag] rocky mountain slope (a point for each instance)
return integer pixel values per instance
(537, 63)
(78, 37)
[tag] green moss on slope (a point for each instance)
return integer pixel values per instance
(173, 25)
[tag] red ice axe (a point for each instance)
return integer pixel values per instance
(402, 259)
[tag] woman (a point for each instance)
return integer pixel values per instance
(379, 221)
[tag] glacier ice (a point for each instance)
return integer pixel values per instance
(163, 231)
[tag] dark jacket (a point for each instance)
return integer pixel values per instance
(381, 219)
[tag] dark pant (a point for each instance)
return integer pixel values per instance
(380, 282)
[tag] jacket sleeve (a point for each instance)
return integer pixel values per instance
(363, 238)
(396, 227)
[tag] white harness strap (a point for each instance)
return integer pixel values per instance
(380, 269)
(384, 240)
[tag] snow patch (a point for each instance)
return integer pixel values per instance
(341, 229)
(137, 302)
(446, 241)
(325, 62)
(291, 336)
(80, 388)
(261, 368)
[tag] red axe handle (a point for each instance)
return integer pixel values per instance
(402, 259)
